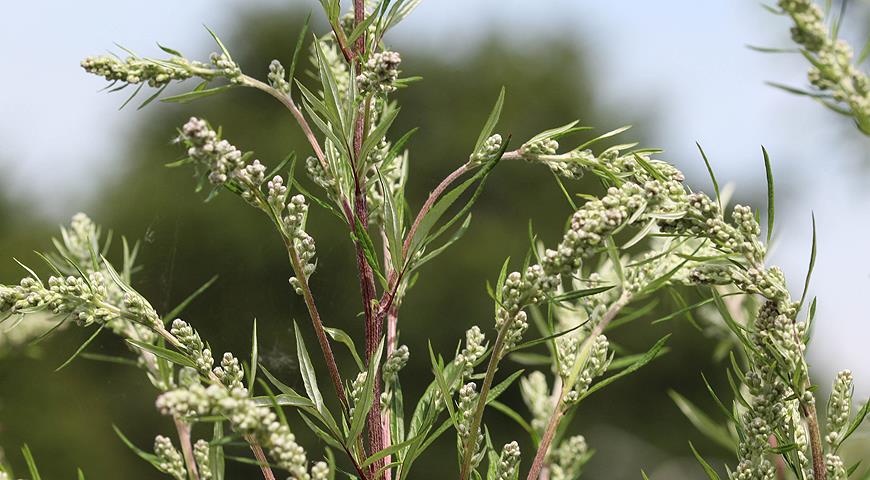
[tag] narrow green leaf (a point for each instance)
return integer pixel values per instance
(810, 268)
(300, 41)
(856, 422)
(770, 200)
(441, 206)
(491, 121)
(254, 358)
(152, 97)
(649, 356)
(341, 336)
(516, 417)
(309, 376)
(109, 359)
(31, 464)
(216, 452)
(284, 400)
(706, 466)
(170, 51)
(442, 384)
(387, 451)
(497, 390)
(603, 136)
(164, 353)
(702, 422)
(583, 292)
(710, 171)
(219, 42)
(175, 312)
(148, 457)
(613, 253)
(367, 400)
(81, 348)
(197, 94)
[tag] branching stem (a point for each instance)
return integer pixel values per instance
(582, 357)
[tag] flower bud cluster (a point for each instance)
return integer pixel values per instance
(379, 73)
(839, 407)
(835, 467)
(192, 345)
(465, 409)
(545, 146)
(278, 77)
(386, 176)
(592, 223)
(711, 274)
(596, 363)
(134, 70)
(487, 151)
(832, 70)
(518, 292)
(323, 179)
(357, 389)
(395, 362)
(473, 351)
(81, 238)
(778, 334)
(566, 461)
(246, 417)
(201, 455)
(320, 471)
(303, 244)
(220, 157)
(229, 373)
(226, 67)
(508, 461)
(536, 396)
(169, 460)
(704, 219)
(158, 73)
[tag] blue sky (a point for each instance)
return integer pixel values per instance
(684, 61)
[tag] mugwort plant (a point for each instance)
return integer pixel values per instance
(647, 232)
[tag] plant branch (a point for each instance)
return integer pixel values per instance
(491, 367)
(540, 455)
(261, 457)
(252, 441)
(186, 448)
(328, 356)
(366, 275)
(809, 413)
(582, 357)
(430, 202)
(288, 102)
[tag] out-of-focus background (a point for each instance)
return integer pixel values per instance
(679, 71)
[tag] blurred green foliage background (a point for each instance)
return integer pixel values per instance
(67, 416)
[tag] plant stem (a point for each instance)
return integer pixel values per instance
(328, 356)
(252, 441)
(491, 367)
(582, 357)
(809, 414)
(186, 448)
(538, 462)
(430, 201)
(288, 102)
(366, 276)
(261, 457)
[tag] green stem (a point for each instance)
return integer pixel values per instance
(491, 367)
